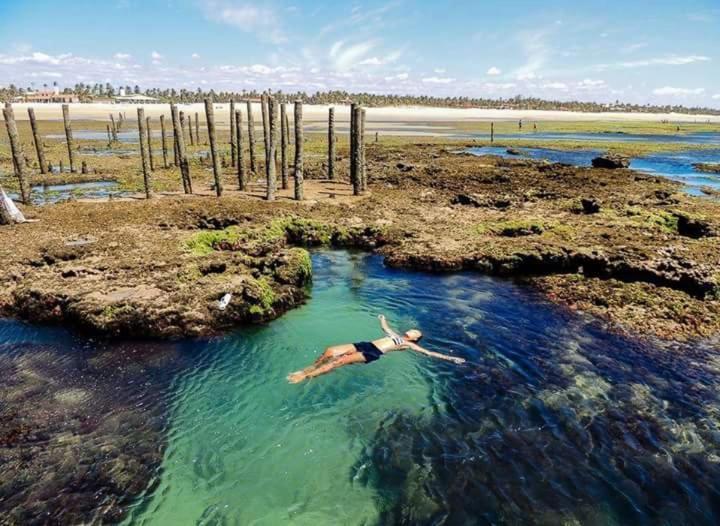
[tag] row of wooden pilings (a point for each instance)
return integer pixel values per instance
(276, 137)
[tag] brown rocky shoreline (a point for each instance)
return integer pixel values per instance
(628, 247)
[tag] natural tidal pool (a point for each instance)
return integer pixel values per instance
(678, 166)
(553, 420)
(56, 193)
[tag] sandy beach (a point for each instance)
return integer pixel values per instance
(403, 114)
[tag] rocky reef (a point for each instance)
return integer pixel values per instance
(158, 269)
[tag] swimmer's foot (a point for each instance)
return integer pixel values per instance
(296, 377)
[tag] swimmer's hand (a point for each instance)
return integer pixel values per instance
(381, 317)
(456, 360)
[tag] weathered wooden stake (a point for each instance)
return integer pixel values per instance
(182, 126)
(251, 138)
(62, 167)
(233, 147)
(284, 154)
(84, 168)
(50, 167)
(38, 142)
(109, 134)
(271, 169)
(210, 117)
(143, 152)
(299, 190)
(356, 154)
(242, 183)
(331, 144)
(183, 163)
(353, 136)
(363, 167)
(190, 130)
(17, 153)
(149, 143)
(492, 132)
(164, 142)
(264, 101)
(197, 129)
(69, 136)
(114, 128)
(377, 136)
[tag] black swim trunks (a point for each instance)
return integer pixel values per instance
(369, 350)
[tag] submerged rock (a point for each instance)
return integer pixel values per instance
(713, 168)
(611, 161)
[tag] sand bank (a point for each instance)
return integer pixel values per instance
(402, 114)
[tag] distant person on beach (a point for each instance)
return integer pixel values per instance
(366, 352)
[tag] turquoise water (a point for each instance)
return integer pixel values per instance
(678, 166)
(553, 420)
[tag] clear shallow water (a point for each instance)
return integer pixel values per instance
(674, 165)
(552, 420)
(49, 194)
(690, 138)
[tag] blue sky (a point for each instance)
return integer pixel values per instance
(638, 51)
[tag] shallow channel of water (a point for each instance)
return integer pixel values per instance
(674, 165)
(551, 421)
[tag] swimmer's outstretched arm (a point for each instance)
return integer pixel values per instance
(415, 347)
(386, 328)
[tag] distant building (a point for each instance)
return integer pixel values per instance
(47, 96)
(134, 99)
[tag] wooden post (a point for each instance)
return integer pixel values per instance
(143, 152)
(183, 163)
(182, 127)
(271, 170)
(149, 143)
(361, 144)
(242, 184)
(84, 168)
(377, 136)
(50, 167)
(353, 136)
(331, 144)
(197, 129)
(266, 128)
(62, 167)
(233, 148)
(17, 153)
(251, 138)
(284, 154)
(492, 132)
(299, 190)
(356, 156)
(114, 128)
(164, 142)
(287, 128)
(38, 142)
(190, 131)
(210, 117)
(69, 136)
(109, 135)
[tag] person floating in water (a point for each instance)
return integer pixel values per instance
(366, 352)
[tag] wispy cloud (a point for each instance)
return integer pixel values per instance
(367, 19)
(438, 80)
(716, 96)
(122, 56)
(675, 92)
(494, 71)
(250, 18)
(536, 49)
(344, 57)
(669, 60)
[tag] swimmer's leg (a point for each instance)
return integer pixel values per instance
(345, 359)
(331, 353)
